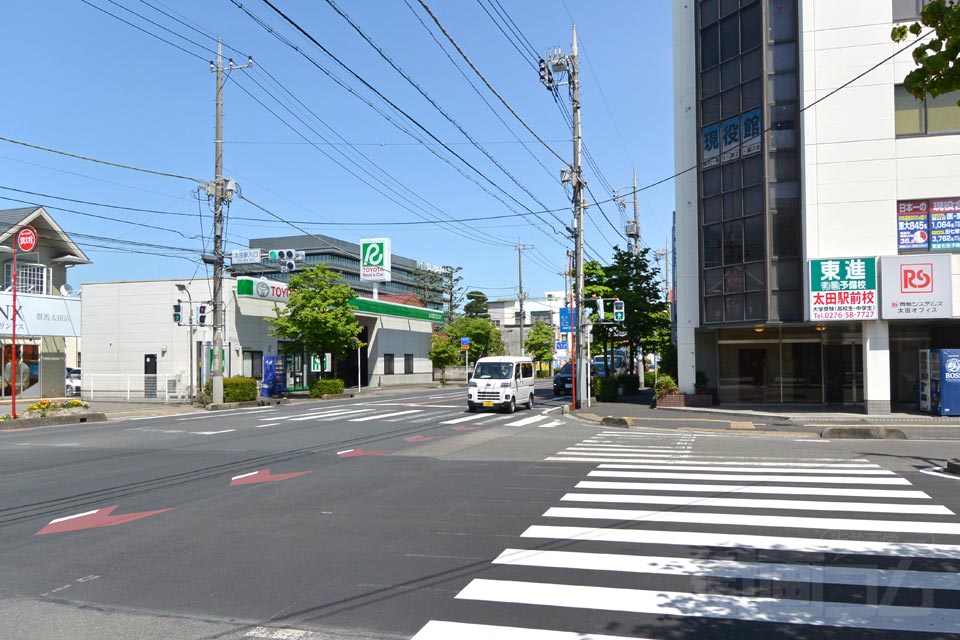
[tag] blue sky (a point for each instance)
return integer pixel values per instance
(80, 80)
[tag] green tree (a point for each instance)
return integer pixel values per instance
(444, 352)
(318, 316)
(428, 286)
(478, 305)
(595, 287)
(452, 291)
(937, 59)
(634, 280)
(540, 343)
(485, 337)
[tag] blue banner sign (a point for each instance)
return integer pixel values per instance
(711, 145)
(566, 320)
(751, 131)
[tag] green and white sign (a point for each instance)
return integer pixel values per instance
(375, 259)
(844, 289)
(319, 363)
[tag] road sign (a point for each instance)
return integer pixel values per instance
(465, 343)
(561, 345)
(245, 256)
(375, 259)
(27, 239)
(566, 320)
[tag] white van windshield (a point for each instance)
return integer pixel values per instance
(495, 370)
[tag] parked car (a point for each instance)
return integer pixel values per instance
(563, 380)
(72, 387)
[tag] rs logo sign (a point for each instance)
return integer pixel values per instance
(916, 278)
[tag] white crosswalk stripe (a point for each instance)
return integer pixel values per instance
(385, 415)
(466, 418)
(822, 544)
(525, 421)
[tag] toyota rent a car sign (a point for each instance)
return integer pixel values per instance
(375, 259)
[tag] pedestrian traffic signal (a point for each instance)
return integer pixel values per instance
(619, 311)
(177, 317)
(202, 314)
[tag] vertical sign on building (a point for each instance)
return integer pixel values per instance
(751, 131)
(843, 289)
(375, 259)
(945, 224)
(730, 139)
(913, 225)
(711, 145)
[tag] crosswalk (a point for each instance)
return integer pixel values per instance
(660, 541)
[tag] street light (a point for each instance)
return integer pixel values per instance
(182, 288)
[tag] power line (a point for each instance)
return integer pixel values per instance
(106, 162)
(489, 86)
(509, 39)
(139, 28)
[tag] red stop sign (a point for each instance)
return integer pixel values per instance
(27, 239)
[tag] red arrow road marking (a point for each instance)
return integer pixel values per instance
(263, 475)
(356, 453)
(464, 428)
(94, 519)
(418, 438)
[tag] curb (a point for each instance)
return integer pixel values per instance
(863, 433)
(52, 421)
(260, 402)
(953, 466)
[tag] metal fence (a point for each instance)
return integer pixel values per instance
(134, 387)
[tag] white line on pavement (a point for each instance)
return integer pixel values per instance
(385, 415)
(268, 424)
(727, 607)
(756, 503)
(211, 433)
(525, 421)
(746, 477)
(217, 414)
(329, 414)
(550, 425)
(439, 630)
(766, 489)
(740, 520)
(708, 467)
(467, 418)
(766, 571)
(720, 464)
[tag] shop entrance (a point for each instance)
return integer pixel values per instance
(843, 372)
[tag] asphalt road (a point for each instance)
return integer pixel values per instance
(403, 516)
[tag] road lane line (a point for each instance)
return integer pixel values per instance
(740, 520)
(76, 515)
(719, 464)
(217, 414)
(754, 488)
(766, 571)
(385, 416)
(745, 541)
(440, 630)
(756, 503)
(726, 607)
(269, 424)
(329, 414)
(466, 418)
(791, 470)
(746, 477)
(211, 433)
(524, 422)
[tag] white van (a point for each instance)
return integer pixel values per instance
(501, 382)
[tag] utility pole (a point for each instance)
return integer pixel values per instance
(636, 216)
(665, 256)
(222, 192)
(556, 63)
(520, 249)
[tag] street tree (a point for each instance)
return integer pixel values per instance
(444, 352)
(634, 280)
(540, 342)
(937, 58)
(428, 285)
(485, 337)
(452, 291)
(595, 287)
(317, 316)
(478, 305)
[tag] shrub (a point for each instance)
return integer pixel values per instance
(649, 377)
(606, 389)
(665, 386)
(630, 382)
(543, 373)
(235, 389)
(325, 386)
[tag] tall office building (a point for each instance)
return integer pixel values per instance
(815, 238)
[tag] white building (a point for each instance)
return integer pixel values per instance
(134, 348)
(811, 203)
(505, 314)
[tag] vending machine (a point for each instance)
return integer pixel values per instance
(944, 381)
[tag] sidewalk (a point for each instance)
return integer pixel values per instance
(811, 420)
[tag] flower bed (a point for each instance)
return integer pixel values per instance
(45, 408)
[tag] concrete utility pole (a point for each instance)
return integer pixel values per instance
(636, 216)
(221, 192)
(520, 249)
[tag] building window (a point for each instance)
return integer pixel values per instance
(920, 117)
(388, 364)
(31, 278)
(253, 364)
(408, 363)
(908, 9)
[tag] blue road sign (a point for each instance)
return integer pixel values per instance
(566, 320)
(465, 341)
(562, 345)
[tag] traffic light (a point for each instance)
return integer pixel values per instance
(619, 311)
(177, 317)
(202, 314)
(287, 258)
(545, 76)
